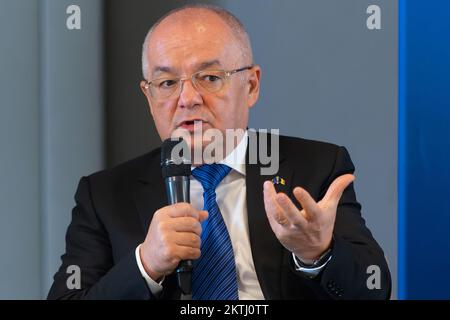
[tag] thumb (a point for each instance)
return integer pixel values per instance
(336, 189)
(203, 215)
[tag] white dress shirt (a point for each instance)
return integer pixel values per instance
(232, 201)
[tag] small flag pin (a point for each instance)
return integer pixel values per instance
(278, 180)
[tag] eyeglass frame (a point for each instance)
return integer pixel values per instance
(228, 74)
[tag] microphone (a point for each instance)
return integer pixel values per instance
(176, 170)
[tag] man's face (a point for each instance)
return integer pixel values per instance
(188, 42)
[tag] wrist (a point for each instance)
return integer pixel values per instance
(312, 260)
(154, 275)
(309, 258)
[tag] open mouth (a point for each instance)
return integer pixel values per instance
(189, 124)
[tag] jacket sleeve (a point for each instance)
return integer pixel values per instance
(88, 248)
(358, 268)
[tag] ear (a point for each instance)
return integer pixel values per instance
(144, 90)
(253, 85)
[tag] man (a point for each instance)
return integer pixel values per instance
(294, 235)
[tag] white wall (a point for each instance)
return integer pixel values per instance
(20, 197)
(51, 122)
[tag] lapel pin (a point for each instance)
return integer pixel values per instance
(278, 180)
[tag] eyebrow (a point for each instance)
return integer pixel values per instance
(208, 64)
(200, 66)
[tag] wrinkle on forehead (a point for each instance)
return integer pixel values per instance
(185, 47)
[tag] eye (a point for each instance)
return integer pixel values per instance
(167, 83)
(210, 78)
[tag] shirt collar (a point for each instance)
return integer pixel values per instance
(236, 159)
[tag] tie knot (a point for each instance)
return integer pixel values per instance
(210, 175)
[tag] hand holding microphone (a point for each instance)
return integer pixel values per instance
(174, 236)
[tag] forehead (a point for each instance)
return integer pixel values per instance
(188, 39)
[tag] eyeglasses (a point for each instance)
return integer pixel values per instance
(205, 81)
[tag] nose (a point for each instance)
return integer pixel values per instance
(189, 95)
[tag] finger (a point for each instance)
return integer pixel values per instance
(187, 253)
(290, 211)
(273, 209)
(309, 205)
(182, 209)
(188, 239)
(334, 192)
(184, 224)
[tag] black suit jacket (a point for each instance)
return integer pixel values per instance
(114, 208)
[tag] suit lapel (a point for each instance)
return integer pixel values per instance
(267, 251)
(150, 194)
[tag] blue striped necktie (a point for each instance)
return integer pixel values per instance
(214, 273)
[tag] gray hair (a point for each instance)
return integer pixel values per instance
(236, 26)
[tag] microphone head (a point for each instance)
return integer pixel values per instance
(175, 158)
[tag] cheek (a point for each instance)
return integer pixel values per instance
(163, 118)
(228, 109)
(233, 112)
(218, 109)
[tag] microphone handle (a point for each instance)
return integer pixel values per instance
(177, 188)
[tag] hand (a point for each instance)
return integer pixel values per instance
(173, 235)
(307, 232)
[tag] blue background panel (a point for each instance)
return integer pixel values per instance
(424, 150)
